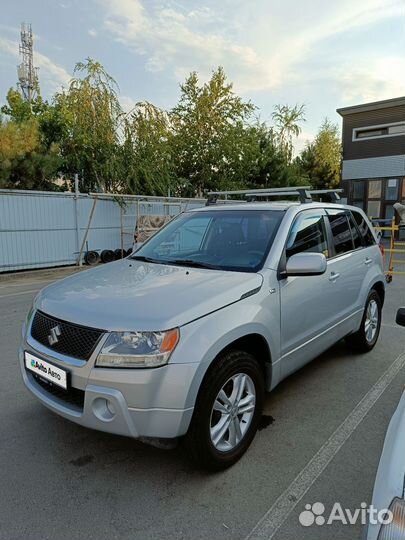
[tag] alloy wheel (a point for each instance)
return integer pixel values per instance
(232, 412)
(371, 322)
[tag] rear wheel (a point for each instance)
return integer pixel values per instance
(227, 412)
(366, 337)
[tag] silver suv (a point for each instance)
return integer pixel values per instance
(183, 338)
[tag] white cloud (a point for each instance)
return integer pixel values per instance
(9, 47)
(51, 75)
(261, 48)
(379, 79)
(92, 33)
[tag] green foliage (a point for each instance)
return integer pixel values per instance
(87, 119)
(320, 161)
(147, 152)
(19, 110)
(287, 126)
(209, 140)
(209, 125)
(23, 162)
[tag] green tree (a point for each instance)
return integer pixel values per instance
(24, 163)
(147, 159)
(287, 125)
(320, 161)
(20, 110)
(208, 125)
(88, 118)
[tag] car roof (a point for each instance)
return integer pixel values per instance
(276, 205)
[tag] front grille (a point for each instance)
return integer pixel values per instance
(72, 396)
(65, 337)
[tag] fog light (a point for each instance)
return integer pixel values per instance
(103, 409)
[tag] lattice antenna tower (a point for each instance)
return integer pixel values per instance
(27, 73)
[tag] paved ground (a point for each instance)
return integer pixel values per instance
(59, 480)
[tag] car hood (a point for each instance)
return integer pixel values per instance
(133, 295)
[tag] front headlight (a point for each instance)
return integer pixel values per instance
(138, 349)
(395, 530)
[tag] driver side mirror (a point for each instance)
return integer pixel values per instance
(401, 317)
(306, 264)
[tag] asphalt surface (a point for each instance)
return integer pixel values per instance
(59, 480)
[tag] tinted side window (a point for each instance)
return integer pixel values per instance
(357, 239)
(342, 236)
(307, 234)
(367, 235)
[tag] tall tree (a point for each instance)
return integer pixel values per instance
(287, 121)
(147, 160)
(320, 161)
(207, 123)
(92, 112)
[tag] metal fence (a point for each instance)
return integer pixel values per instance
(41, 229)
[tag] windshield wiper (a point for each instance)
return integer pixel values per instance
(194, 264)
(177, 262)
(147, 259)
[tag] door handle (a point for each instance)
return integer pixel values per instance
(334, 276)
(368, 261)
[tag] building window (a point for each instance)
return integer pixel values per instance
(391, 189)
(384, 130)
(374, 209)
(399, 128)
(358, 190)
(374, 189)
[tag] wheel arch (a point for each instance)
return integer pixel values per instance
(379, 287)
(253, 343)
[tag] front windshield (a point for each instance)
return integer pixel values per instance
(220, 239)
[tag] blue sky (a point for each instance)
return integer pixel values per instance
(326, 54)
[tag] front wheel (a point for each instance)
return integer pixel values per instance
(366, 337)
(227, 411)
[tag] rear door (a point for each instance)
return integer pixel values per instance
(347, 268)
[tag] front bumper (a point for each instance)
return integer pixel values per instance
(152, 403)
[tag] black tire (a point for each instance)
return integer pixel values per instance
(359, 341)
(91, 258)
(198, 439)
(119, 254)
(107, 255)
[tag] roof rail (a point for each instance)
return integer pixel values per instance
(304, 194)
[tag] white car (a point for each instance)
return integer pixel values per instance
(389, 487)
(181, 339)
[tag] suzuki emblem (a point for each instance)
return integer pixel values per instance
(54, 334)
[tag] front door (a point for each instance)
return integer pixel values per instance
(307, 303)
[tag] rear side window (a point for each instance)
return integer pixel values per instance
(366, 234)
(307, 235)
(357, 239)
(342, 235)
